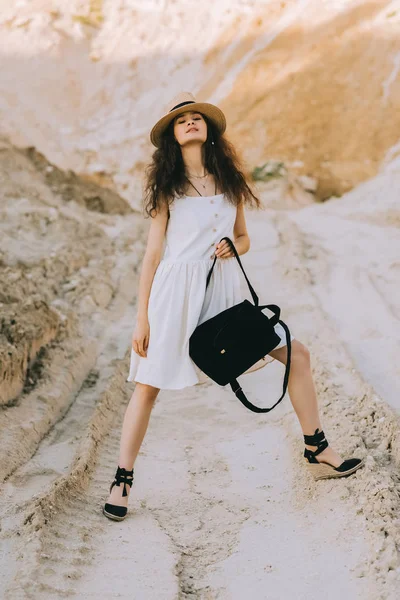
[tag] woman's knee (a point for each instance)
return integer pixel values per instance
(300, 357)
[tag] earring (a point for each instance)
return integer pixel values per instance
(212, 142)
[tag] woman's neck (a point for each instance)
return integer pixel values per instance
(193, 160)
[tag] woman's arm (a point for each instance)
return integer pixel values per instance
(151, 259)
(152, 256)
(241, 238)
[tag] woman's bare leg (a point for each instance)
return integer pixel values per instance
(303, 396)
(134, 427)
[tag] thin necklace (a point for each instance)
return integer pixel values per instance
(200, 182)
(198, 176)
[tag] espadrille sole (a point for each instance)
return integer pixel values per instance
(325, 471)
(113, 517)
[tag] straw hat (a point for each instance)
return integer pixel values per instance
(181, 103)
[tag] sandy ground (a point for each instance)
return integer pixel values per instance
(222, 504)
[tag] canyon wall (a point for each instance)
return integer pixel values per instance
(314, 84)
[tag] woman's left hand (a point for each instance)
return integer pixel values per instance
(224, 250)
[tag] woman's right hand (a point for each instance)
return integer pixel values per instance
(140, 337)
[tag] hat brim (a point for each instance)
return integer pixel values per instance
(211, 111)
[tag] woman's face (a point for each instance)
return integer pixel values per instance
(190, 127)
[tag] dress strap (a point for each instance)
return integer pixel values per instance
(194, 187)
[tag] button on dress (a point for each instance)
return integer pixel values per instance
(178, 300)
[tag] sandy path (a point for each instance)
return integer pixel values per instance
(222, 505)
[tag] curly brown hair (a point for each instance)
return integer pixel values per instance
(165, 175)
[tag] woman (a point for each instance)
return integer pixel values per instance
(195, 195)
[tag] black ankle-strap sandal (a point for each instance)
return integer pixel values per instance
(324, 470)
(112, 511)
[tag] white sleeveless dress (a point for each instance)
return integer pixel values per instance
(178, 300)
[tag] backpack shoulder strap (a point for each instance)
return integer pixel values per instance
(252, 291)
(241, 395)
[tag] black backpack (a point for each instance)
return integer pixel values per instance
(229, 343)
